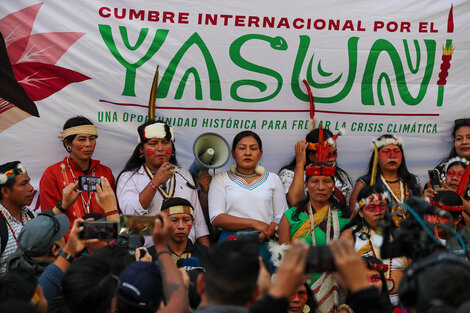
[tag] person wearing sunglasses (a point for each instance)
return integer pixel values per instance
(371, 206)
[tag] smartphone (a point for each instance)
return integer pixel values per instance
(320, 259)
(435, 180)
(138, 224)
(101, 230)
(88, 183)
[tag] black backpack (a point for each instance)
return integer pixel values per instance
(4, 231)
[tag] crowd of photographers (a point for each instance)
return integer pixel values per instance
(160, 240)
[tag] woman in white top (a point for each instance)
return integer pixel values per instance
(246, 197)
(152, 175)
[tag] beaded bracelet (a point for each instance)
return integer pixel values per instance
(153, 186)
(111, 213)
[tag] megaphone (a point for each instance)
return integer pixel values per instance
(211, 151)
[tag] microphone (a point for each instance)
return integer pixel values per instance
(190, 185)
(188, 264)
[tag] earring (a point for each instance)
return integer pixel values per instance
(68, 149)
(364, 233)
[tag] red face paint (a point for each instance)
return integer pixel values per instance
(300, 296)
(374, 279)
(168, 150)
(332, 154)
(80, 147)
(454, 174)
(149, 152)
(376, 208)
(390, 153)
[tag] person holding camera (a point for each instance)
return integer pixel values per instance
(151, 176)
(79, 137)
(371, 207)
(317, 221)
(453, 172)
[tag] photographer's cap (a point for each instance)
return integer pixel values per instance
(141, 285)
(39, 234)
(177, 205)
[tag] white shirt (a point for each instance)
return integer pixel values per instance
(131, 184)
(263, 200)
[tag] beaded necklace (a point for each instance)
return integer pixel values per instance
(9, 226)
(86, 204)
(331, 221)
(165, 195)
(398, 196)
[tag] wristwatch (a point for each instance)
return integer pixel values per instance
(66, 256)
(59, 206)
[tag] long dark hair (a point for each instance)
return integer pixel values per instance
(302, 205)
(137, 158)
(357, 220)
(403, 173)
(457, 124)
(312, 137)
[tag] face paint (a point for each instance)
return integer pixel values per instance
(80, 147)
(332, 154)
(150, 152)
(454, 174)
(300, 295)
(374, 279)
(390, 153)
(168, 150)
(376, 208)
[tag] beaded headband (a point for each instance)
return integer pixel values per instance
(455, 208)
(5, 177)
(377, 267)
(320, 170)
(157, 130)
(373, 197)
(454, 160)
(180, 209)
(82, 129)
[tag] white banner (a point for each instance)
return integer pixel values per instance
(225, 66)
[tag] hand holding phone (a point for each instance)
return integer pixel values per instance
(88, 183)
(434, 179)
(99, 230)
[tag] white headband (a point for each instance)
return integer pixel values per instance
(453, 160)
(373, 197)
(388, 141)
(4, 177)
(156, 130)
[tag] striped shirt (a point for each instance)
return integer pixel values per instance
(16, 226)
